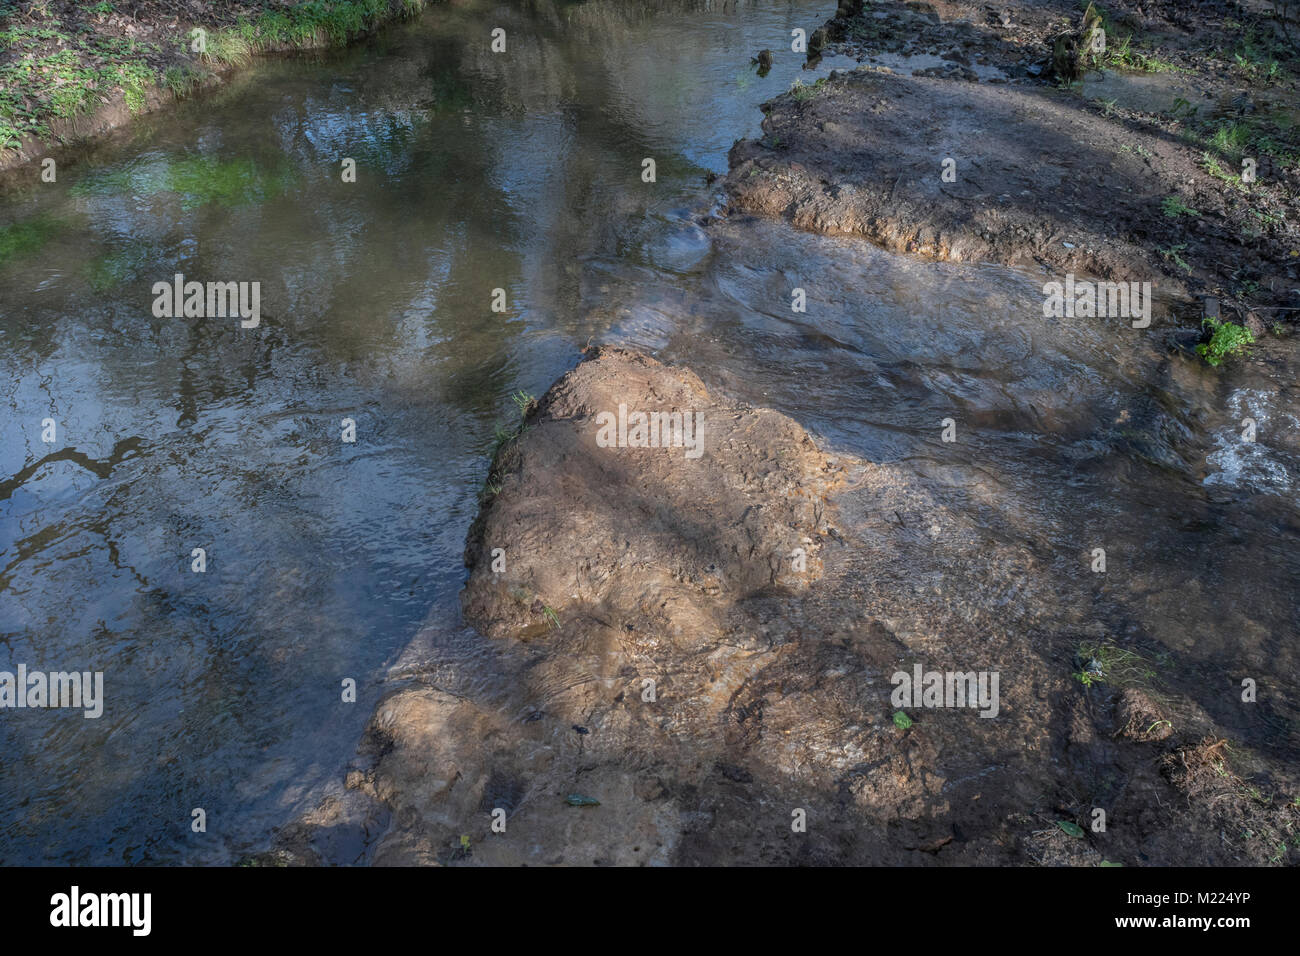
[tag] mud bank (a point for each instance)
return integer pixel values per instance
(699, 655)
(1123, 165)
(72, 72)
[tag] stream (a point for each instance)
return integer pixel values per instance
(519, 172)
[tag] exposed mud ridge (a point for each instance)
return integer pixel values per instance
(771, 685)
(864, 158)
(1074, 177)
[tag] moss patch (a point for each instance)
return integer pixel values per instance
(27, 237)
(197, 180)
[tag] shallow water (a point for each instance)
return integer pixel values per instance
(520, 172)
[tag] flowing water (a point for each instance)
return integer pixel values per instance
(519, 172)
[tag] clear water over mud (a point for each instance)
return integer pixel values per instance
(521, 171)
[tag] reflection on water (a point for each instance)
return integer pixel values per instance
(477, 172)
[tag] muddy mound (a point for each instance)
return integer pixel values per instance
(707, 640)
(647, 539)
(637, 572)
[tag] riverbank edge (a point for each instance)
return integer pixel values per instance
(228, 51)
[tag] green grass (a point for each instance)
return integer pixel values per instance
(1231, 140)
(1127, 58)
(1258, 58)
(1105, 662)
(310, 24)
(40, 85)
(1120, 52)
(1228, 340)
(502, 437)
(229, 47)
(179, 79)
(1244, 138)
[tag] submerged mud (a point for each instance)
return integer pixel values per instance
(702, 659)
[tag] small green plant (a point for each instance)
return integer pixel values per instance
(1125, 57)
(901, 720)
(1211, 165)
(1227, 340)
(1172, 255)
(1090, 674)
(1267, 219)
(180, 80)
(503, 435)
(803, 92)
(524, 402)
(552, 618)
(1173, 207)
(1254, 58)
(133, 96)
(1070, 829)
(1231, 140)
